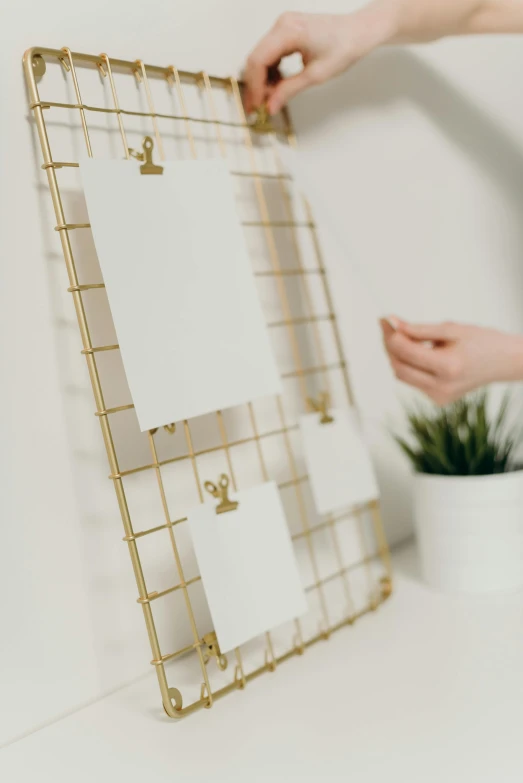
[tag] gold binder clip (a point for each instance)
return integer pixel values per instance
(213, 651)
(262, 123)
(148, 167)
(321, 405)
(222, 493)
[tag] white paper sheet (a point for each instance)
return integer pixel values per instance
(296, 165)
(247, 564)
(180, 287)
(338, 462)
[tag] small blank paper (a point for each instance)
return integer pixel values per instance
(180, 286)
(339, 465)
(247, 565)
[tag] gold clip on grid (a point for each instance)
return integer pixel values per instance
(212, 650)
(321, 405)
(221, 491)
(147, 167)
(262, 123)
(170, 428)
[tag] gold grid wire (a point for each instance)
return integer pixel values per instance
(171, 697)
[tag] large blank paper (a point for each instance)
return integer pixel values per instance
(247, 565)
(297, 165)
(339, 465)
(180, 287)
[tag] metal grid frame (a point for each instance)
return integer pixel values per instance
(380, 588)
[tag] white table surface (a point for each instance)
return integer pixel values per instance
(427, 690)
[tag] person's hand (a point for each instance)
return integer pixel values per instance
(448, 360)
(328, 44)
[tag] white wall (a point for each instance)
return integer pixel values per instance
(421, 152)
(418, 155)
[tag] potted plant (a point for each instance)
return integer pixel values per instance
(468, 496)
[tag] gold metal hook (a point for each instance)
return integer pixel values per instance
(205, 696)
(321, 405)
(239, 677)
(169, 75)
(386, 587)
(270, 661)
(172, 709)
(298, 644)
(38, 64)
(137, 71)
(148, 167)
(199, 79)
(221, 491)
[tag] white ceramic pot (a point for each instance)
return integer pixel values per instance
(470, 531)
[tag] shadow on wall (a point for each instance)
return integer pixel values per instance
(398, 75)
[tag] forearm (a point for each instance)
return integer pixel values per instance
(329, 44)
(417, 21)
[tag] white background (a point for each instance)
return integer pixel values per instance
(417, 702)
(426, 161)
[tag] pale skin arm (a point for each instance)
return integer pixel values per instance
(443, 360)
(331, 43)
(448, 360)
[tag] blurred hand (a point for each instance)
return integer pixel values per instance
(448, 360)
(327, 43)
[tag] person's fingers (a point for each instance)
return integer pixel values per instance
(436, 332)
(272, 79)
(407, 351)
(387, 328)
(287, 89)
(282, 40)
(413, 377)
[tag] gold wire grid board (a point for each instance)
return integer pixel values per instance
(97, 106)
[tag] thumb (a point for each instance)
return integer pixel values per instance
(287, 89)
(436, 332)
(388, 329)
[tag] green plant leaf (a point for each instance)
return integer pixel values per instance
(461, 439)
